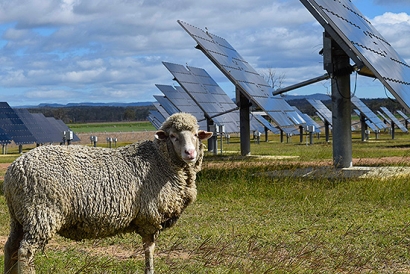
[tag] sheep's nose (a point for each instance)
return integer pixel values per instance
(191, 153)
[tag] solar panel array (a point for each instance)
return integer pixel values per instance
(394, 119)
(364, 44)
(42, 130)
(368, 113)
(244, 76)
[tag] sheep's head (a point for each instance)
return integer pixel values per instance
(182, 130)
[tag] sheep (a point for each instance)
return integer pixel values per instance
(82, 192)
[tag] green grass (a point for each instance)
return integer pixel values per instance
(111, 127)
(246, 222)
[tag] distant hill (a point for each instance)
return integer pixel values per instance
(316, 96)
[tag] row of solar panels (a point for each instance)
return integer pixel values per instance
(201, 96)
(371, 119)
(22, 127)
(204, 91)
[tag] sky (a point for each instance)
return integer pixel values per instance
(74, 51)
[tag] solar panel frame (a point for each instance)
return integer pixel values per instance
(363, 43)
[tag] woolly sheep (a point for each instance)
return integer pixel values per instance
(84, 192)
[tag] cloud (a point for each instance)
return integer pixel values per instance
(110, 50)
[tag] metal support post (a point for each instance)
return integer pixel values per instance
(363, 126)
(245, 129)
(341, 110)
(392, 130)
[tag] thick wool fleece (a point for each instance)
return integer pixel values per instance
(85, 192)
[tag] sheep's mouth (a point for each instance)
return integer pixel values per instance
(189, 159)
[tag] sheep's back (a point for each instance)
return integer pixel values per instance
(81, 187)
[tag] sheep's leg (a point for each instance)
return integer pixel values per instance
(11, 247)
(148, 242)
(26, 258)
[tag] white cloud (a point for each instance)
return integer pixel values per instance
(110, 50)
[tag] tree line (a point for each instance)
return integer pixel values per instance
(89, 114)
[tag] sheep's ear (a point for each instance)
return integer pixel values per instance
(161, 135)
(204, 135)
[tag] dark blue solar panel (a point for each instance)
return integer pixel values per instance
(4, 137)
(53, 134)
(61, 127)
(32, 125)
(156, 118)
(11, 124)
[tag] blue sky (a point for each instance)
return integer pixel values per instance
(66, 51)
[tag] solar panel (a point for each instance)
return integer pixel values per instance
(368, 113)
(394, 119)
(14, 126)
(61, 127)
(264, 122)
(405, 117)
(385, 120)
(242, 74)
(4, 137)
(364, 44)
(324, 112)
(156, 118)
(207, 94)
(161, 110)
(32, 125)
(166, 105)
(181, 100)
(367, 121)
(53, 135)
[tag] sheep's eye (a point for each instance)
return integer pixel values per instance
(196, 135)
(174, 137)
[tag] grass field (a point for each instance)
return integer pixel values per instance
(111, 127)
(247, 222)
